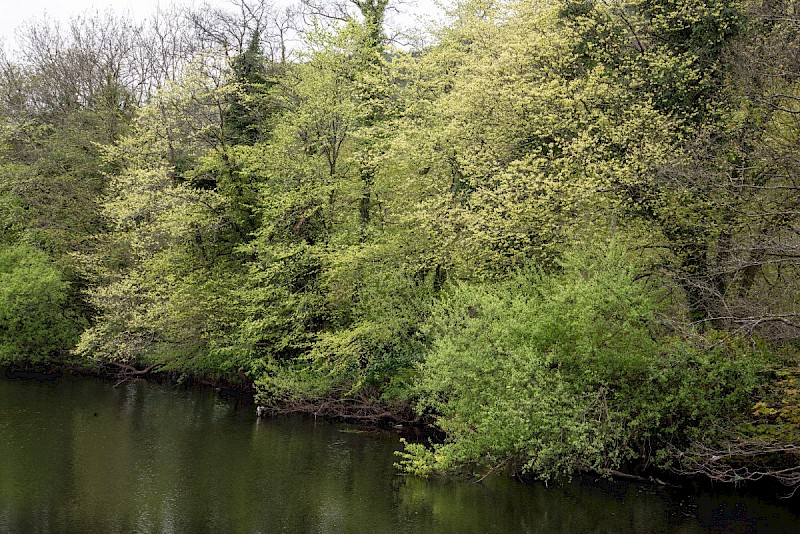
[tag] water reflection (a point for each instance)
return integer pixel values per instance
(81, 456)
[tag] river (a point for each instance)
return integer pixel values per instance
(78, 455)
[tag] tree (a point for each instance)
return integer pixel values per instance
(162, 268)
(757, 250)
(63, 95)
(248, 113)
(369, 72)
(333, 308)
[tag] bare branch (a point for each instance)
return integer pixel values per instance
(740, 460)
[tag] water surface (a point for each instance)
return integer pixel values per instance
(78, 455)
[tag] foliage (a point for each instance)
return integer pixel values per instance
(553, 373)
(386, 226)
(247, 114)
(161, 271)
(333, 307)
(776, 416)
(35, 325)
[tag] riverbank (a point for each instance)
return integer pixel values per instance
(144, 455)
(414, 429)
(360, 412)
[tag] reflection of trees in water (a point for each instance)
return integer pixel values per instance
(80, 455)
(578, 506)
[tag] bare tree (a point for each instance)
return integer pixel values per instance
(755, 265)
(163, 48)
(231, 27)
(374, 14)
(85, 64)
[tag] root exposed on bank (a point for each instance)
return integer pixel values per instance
(745, 461)
(128, 372)
(358, 410)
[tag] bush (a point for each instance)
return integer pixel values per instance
(554, 373)
(34, 326)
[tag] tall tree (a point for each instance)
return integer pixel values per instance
(248, 110)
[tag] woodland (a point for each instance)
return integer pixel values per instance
(564, 233)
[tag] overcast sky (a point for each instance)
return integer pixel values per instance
(14, 12)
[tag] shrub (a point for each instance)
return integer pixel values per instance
(34, 326)
(550, 373)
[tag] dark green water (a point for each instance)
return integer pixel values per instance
(77, 455)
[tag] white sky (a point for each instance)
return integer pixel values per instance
(14, 12)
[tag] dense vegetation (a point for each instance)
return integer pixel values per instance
(565, 231)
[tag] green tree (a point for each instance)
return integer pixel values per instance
(248, 112)
(61, 97)
(162, 270)
(334, 304)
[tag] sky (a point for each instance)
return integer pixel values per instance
(16, 12)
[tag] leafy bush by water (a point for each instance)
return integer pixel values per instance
(553, 373)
